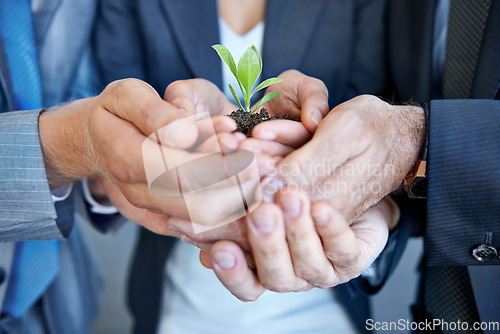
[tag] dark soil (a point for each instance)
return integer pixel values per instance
(246, 120)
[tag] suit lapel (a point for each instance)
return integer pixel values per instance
(43, 13)
(5, 85)
(195, 26)
(285, 41)
(487, 77)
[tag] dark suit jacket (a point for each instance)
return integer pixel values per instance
(464, 147)
(160, 41)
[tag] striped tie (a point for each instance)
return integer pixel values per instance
(35, 263)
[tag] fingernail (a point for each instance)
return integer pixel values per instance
(270, 186)
(316, 116)
(264, 224)
(266, 134)
(291, 206)
(224, 260)
(188, 240)
(320, 218)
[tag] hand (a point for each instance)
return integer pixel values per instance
(361, 151)
(106, 136)
(302, 97)
(298, 245)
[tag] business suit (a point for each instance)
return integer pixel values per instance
(27, 209)
(463, 201)
(340, 42)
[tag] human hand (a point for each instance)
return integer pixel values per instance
(304, 98)
(361, 151)
(107, 135)
(298, 245)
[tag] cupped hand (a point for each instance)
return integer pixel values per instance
(305, 99)
(126, 130)
(361, 151)
(298, 245)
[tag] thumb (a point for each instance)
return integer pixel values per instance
(138, 103)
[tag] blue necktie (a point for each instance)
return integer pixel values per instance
(35, 263)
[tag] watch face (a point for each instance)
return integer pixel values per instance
(418, 187)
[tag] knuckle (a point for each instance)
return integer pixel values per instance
(149, 114)
(281, 285)
(121, 87)
(311, 274)
(343, 259)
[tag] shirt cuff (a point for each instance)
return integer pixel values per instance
(96, 207)
(61, 193)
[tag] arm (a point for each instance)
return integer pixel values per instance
(464, 179)
(101, 136)
(23, 180)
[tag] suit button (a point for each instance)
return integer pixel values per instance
(2, 275)
(484, 253)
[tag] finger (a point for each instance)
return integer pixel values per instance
(306, 249)
(339, 242)
(205, 259)
(209, 126)
(289, 133)
(219, 143)
(230, 266)
(267, 147)
(197, 96)
(302, 96)
(235, 231)
(138, 103)
(266, 164)
(266, 234)
(152, 221)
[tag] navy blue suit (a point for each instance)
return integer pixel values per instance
(464, 148)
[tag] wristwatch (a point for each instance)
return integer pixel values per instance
(415, 183)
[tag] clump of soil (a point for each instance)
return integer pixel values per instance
(246, 120)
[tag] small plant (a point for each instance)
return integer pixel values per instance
(246, 74)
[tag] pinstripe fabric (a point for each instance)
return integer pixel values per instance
(26, 208)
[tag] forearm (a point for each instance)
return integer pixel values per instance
(26, 206)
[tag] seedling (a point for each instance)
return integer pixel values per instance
(246, 74)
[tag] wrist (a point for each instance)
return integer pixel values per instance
(64, 142)
(415, 182)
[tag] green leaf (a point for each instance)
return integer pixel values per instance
(249, 70)
(260, 58)
(226, 56)
(236, 97)
(268, 97)
(267, 83)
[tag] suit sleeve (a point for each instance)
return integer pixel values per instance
(463, 200)
(27, 211)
